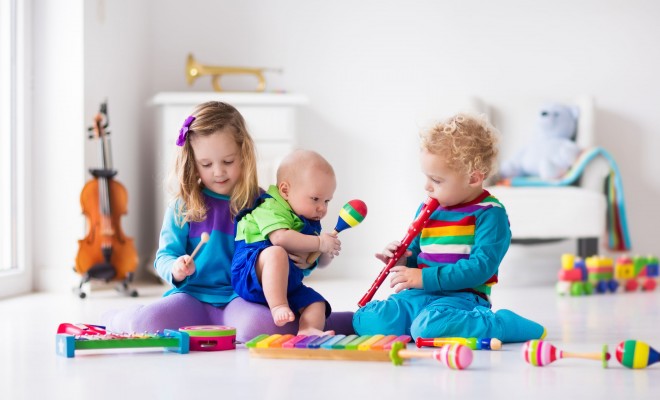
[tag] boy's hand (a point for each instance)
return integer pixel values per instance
(329, 244)
(405, 278)
(300, 260)
(389, 251)
(183, 267)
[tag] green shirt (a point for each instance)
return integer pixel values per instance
(272, 214)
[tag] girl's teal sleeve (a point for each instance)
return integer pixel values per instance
(491, 241)
(172, 244)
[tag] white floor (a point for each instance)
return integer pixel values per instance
(30, 369)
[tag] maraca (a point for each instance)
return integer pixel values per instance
(350, 215)
(454, 356)
(636, 354)
(540, 353)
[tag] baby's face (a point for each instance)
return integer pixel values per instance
(310, 193)
(446, 185)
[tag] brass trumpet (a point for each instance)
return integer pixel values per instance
(194, 70)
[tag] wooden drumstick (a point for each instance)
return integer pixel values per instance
(202, 240)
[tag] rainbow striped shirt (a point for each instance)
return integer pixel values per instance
(461, 247)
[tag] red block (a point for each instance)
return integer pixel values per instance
(570, 275)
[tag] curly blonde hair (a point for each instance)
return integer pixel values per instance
(468, 142)
(211, 118)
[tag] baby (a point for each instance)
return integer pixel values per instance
(274, 238)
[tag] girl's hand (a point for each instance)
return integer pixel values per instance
(300, 260)
(183, 267)
(329, 244)
(389, 251)
(405, 278)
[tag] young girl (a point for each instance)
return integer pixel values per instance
(216, 172)
(442, 285)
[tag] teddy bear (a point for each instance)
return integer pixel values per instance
(552, 150)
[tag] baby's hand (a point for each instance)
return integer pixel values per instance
(389, 251)
(405, 278)
(183, 267)
(300, 260)
(329, 244)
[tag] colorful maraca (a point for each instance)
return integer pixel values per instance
(454, 356)
(540, 353)
(636, 354)
(350, 215)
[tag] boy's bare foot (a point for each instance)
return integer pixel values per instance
(314, 331)
(282, 314)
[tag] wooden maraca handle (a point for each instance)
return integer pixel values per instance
(586, 356)
(313, 256)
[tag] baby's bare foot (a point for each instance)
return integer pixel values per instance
(314, 331)
(282, 314)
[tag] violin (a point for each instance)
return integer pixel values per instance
(106, 253)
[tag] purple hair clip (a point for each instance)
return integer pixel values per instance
(183, 132)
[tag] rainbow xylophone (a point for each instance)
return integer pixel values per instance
(353, 348)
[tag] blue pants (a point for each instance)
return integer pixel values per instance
(417, 313)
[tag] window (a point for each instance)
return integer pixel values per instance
(15, 274)
(7, 152)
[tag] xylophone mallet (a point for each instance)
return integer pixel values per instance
(350, 215)
(413, 230)
(540, 353)
(454, 356)
(203, 239)
(636, 354)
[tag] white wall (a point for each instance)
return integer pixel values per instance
(375, 73)
(57, 138)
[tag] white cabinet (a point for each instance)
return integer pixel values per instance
(270, 118)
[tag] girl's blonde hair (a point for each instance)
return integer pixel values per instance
(211, 118)
(468, 142)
